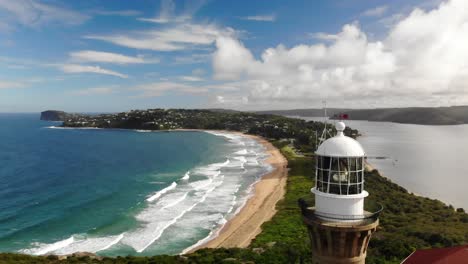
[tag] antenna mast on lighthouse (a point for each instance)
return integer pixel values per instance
(325, 132)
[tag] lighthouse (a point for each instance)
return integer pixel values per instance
(339, 226)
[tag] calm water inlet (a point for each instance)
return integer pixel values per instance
(428, 160)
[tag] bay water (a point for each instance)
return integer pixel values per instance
(427, 160)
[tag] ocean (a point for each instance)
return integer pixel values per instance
(119, 192)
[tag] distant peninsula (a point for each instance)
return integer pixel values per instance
(453, 115)
(53, 115)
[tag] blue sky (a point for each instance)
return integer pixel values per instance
(107, 56)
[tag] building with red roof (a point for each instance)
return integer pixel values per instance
(452, 255)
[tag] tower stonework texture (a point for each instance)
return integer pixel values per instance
(339, 227)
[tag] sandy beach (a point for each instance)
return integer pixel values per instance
(246, 225)
(368, 166)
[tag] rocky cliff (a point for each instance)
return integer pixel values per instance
(53, 115)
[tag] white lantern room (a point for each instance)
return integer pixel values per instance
(339, 176)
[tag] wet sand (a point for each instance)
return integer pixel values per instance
(246, 225)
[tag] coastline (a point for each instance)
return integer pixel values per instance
(367, 166)
(240, 230)
(260, 206)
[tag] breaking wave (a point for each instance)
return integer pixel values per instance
(161, 192)
(188, 212)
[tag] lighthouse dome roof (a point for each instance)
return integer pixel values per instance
(340, 145)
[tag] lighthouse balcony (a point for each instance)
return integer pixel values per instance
(339, 238)
(369, 215)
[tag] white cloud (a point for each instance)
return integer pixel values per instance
(198, 72)
(33, 13)
(161, 20)
(323, 36)
(117, 12)
(392, 20)
(167, 12)
(191, 78)
(177, 37)
(376, 12)
(76, 68)
(160, 88)
(231, 59)
(176, 32)
(423, 56)
(93, 91)
(25, 82)
(27, 63)
(108, 57)
(17, 67)
(227, 102)
(10, 85)
(5, 26)
(192, 59)
(263, 18)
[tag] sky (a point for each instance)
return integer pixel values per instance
(111, 56)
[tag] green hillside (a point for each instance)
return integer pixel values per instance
(410, 115)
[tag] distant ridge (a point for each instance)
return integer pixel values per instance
(452, 115)
(222, 110)
(310, 112)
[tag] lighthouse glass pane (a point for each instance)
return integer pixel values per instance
(353, 164)
(353, 177)
(325, 163)
(360, 177)
(339, 175)
(359, 164)
(339, 170)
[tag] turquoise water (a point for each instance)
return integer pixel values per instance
(118, 192)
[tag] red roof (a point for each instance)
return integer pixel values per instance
(453, 255)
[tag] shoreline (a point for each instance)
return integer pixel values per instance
(259, 208)
(243, 227)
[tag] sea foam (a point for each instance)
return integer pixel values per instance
(202, 201)
(42, 249)
(161, 192)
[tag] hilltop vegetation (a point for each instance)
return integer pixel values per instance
(53, 115)
(412, 115)
(453, 115)
(408, 222)
(268, 126)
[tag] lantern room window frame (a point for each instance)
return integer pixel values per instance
(339, 175)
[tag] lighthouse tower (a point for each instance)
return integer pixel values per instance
(339, 227)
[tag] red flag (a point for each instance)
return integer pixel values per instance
(344, 116)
